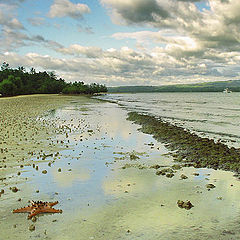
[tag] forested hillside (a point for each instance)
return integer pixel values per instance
(19, 81)
(233, 85)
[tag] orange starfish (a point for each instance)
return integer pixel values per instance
(38, 207)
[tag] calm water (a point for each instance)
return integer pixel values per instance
(101, 200)
(216, 115)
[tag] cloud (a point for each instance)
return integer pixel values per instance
(179, 60)
(214, 27)
(83, 29)
(77, 50)
(12, 39)
(184, 43)
(36, 21)
(7, 17)
(136, 11)
(65, 8)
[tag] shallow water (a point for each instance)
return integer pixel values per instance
(100, 200)
(216, 115)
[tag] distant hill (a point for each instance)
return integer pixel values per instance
(233, 85)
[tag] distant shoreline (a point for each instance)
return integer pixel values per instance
(220, 86)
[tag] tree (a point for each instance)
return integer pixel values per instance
(5, 66)
(7, 87)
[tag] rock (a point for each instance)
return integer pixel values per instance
(164, 171)
(133, 156)
(155, 166)
(176, 166)
(59, 170)
(44, 171)
(210, 186)
(14, 189)
(169, 175)
(196, 174)
(31, 228)
(187, 205)
(183, 176)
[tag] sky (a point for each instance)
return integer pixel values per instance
(124, 42)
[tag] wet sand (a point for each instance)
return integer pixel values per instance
(107, 187)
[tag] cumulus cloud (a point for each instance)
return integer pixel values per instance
(77, 50)
(7, 17)
(188, 43)
(65, 8)
(136, 11)
(160, 65)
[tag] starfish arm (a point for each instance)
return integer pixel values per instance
(52, 203)
(51, 210)
(23, 210)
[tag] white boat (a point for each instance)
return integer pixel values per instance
(226, 90)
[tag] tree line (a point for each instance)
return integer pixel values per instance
(19, 81)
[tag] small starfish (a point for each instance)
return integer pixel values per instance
(38, 207)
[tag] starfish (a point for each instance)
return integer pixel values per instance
(38, 207)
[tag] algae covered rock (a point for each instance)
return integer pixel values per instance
(183, 176)
(210, 186)
(169, 175)
(164, 171)
(187, 204)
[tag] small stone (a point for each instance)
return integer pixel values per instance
(14, 189)
(183, 176)
(37, 191)
(19, 173)
(155, 166)
(59, 170)
(169, 175)
(44, 171)
(187, 205)
(196, 174)
(34, 219)
(176, 167)
(31, 228)
(19, 200)
(210, 185)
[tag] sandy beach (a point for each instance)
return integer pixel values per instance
(83, 153)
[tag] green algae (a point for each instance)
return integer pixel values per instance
(188, 147)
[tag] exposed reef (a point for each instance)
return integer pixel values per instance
(188, 147)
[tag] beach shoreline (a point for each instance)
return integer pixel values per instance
(108, 182)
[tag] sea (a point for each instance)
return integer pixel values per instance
(208, 114)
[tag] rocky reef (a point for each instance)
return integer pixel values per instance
(188, 147)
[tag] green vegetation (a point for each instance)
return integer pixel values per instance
(188, 148)
(18, 81)
(233, 85)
